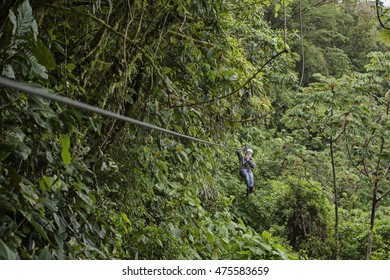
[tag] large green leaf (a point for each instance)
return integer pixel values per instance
(65, 143)
(43, 55)
(6, 253)
(25, 21)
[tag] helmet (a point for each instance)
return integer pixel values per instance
(249, 151)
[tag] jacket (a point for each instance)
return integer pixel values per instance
(245, 162)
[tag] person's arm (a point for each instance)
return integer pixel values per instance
(239, 153)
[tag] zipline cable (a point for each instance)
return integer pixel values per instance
(44, 93)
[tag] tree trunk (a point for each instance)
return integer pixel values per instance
(336, 202)
(372, 221)
(375, 199)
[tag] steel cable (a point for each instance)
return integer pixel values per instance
(44, 93)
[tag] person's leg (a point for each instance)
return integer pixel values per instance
(250, 178)
(251, 181)
(245, 174)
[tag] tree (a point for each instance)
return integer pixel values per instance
(334, 38)
(369, 153)
(346, 118)
(75, 185)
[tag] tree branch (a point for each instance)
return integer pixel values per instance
(383, 195)
(236, 90)
(379, 17)
(351, 161)
(199, 42)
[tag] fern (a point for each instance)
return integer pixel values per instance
(25, 51)
(24, 23)
(36, 68)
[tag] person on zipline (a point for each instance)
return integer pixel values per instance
(246, 167)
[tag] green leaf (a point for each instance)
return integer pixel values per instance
(125, 218)
(21, 149)
(43, 55)
(86, 199)
(223, 231)
(277, 9)
(24, 22)
(210, 236)
(385, 36)
(12, 18)
(266, 235)
(158, 240)
(8, 71)
(176, 232)
(39, 229)
(49, 156)
(65, 143)
(191, 201)
(70, 66)
(211, 53)
(6, 253)
(266, 246)
(214, 255)
(44, 254)
(45, 183)
(60, 223)
(39, 69)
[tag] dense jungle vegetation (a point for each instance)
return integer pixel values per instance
(306, 83)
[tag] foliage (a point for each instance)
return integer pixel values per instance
(75, 185)
(21, 50)
(336, 38)
(349, 117)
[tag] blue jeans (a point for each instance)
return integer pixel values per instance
(247, 174)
